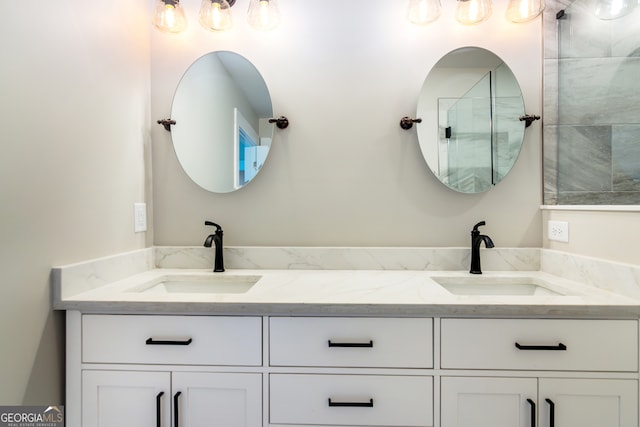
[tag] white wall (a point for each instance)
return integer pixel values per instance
(612, 235)
(75, 122)
(344, 173)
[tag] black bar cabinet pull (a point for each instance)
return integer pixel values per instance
(368, 404)
(351, 344)
(533, 412)
(158, 409)
(151, 341)
(552, 412)
(176, 416)
(559, 347)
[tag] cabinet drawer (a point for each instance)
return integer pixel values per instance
(365, 400)
(351, 342)
(183, 340)
(540, 344)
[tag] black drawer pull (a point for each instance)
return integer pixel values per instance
(351, 344)
(533, 412)
(368, 404)
(151, 341)
(159, 409)
(559, 347)
(552, 412)
(176, 405)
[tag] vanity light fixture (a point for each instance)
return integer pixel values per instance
(524, 10)
(215, 15)
(612, 9)
(169, 17)
(471, 12)
(263, 14)
(423, 12)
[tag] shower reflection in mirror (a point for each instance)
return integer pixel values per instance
(470, 104)
(477, 132)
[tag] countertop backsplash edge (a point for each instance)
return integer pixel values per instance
(623, 279)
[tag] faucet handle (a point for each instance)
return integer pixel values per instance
(218, 228)
(481, 223)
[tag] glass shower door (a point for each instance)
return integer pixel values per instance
(481, 133)
(466, 144)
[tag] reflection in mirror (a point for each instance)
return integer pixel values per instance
(471, 134)
(222, 133)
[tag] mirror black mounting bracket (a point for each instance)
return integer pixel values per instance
(528, 119)
(167, 123)
(281, 122)
(406, 123)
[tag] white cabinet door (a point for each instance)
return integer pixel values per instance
(217, 399)
(588, 403)
(488, 402)
(141, 399)
(120, 398)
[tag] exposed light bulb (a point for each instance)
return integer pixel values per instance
(422, 12)
(215, 15)
(263, 14)
(612, 9)
(470, 12)
(169, 16)
(524, 10)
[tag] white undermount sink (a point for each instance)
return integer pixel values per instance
(212, 283)
(487, 285)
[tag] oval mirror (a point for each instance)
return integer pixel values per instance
(222, 133)
(471, 134)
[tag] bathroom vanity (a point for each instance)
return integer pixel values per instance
(346, 348)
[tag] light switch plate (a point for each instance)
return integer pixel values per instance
(558, 231)
(139, 217)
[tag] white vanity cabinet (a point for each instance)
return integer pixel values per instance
(120, 398)
(175, 371)
(351, 371)
(488, 402)
(544, 372)
(292, 371)
(588, 402)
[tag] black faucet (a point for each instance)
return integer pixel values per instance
(476, 239)
(215, 239)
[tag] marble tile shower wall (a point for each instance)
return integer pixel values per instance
(592, 117)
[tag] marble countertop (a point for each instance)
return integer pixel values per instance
(342, 292)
